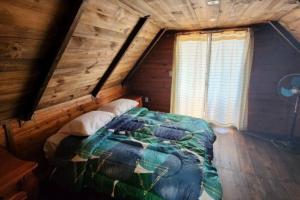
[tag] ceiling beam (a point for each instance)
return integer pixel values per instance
(66, 28)
(286, 35)
(119, 55)
(136, 66)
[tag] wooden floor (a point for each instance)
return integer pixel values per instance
(252, 168)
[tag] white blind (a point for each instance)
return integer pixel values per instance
(191, 73)
(210, 76)
(225, 78)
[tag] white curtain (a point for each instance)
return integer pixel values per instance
(211, 76)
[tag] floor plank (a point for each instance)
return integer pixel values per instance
(252, 168)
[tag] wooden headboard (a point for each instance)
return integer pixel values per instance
(30, 136)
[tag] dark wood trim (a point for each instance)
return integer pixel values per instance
(119, 55)
(136, 66)
(9, 140)
(66, 29)
(213, 30)
(286, 35)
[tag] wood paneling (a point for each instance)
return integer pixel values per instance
(153, 78)
(31, 135)
(101, 31)
(291, 22)
(135, 50)
(273, 58)
(67, 26)
(196, 14)
(120, 55)
(27, 28)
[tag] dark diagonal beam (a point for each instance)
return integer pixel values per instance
(286, 35)
(144, 55)
(120, 54)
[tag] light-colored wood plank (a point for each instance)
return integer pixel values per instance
(291, 22)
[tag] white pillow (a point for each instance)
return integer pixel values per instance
(120, 106)
(87, 124)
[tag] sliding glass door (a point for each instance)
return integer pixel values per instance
(211, 76)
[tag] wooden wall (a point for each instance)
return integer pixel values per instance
(273, 58)
(102, 29)
(31, 135)
(153, 78)
(27, 29)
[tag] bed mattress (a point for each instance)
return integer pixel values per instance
(142, 155)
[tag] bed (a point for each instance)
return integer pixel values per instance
(141, 154)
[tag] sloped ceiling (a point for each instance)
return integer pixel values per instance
(291, 21)
(27, 29)
(102, 29)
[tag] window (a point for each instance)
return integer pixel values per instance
(211, 76)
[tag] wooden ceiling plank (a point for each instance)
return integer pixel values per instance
(163, 10)
(277, 9)
(192, 11)
(55, 56)
(94, 18)
(146, 9)
(292, 23)
(287, 36)
(119, 55)
(128, 8)
(166, 8)
(136, 12)
(144, 55)
(187, 13)
(136, 49)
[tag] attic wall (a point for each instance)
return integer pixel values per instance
(153, 78)
(103, 28)
(31, 135)
(291, 22)
(273, 58)
(27, 29)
